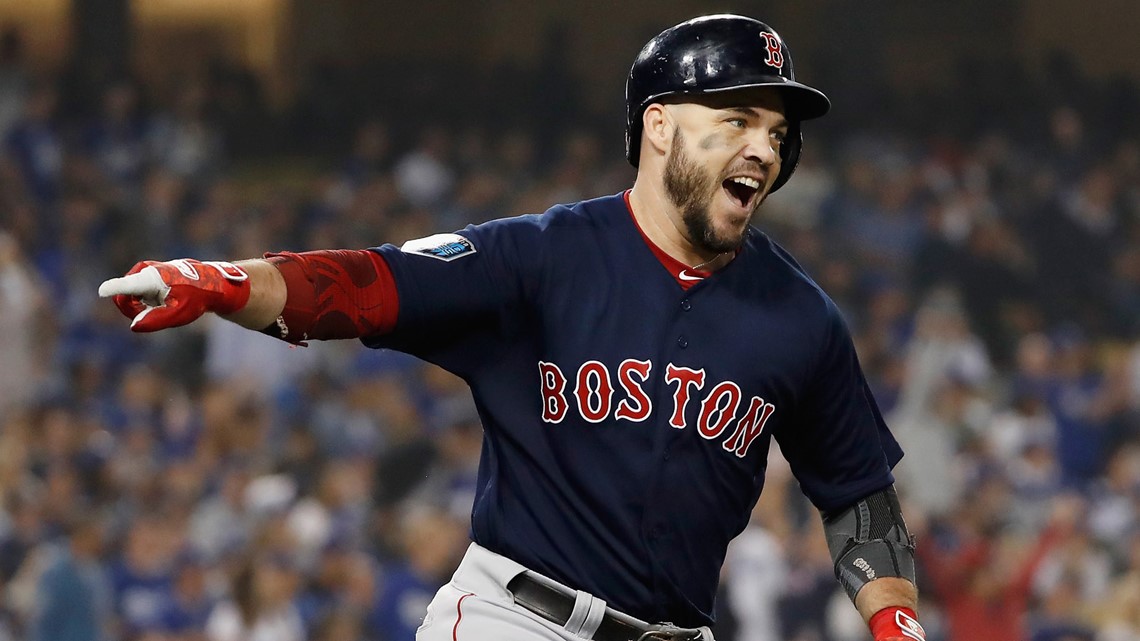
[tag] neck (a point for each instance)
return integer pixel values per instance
(660, 220)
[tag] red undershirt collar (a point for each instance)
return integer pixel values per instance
(685, 276)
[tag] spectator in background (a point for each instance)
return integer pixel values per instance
(261, 604)
(1031, 380)
(446, 474)
(1075, 239)
(983, 579)
(163, 197)
(1034, 474)
(1119, 615)
(340, 592)
(799, 205)
(72, 594)
(938, 405)
(1114, 510)
(22, 305)
(887, 233)
(756, 564)
(335, 511)
(186, 608)
(141, 578)
(1069, 151)
(422, 175)
(25, 531)
(116, 139)
(327, 576)
(222, 521)
(34, 146)
(1061, 616)
(810, 584)
(183, 140)
(994, 275)
(479, 197)
(431, 542)
(1077, 571)
(1083, 409)
(370, 156)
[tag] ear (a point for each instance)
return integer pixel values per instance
(657, 126)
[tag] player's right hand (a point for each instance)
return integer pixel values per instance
(159, 295)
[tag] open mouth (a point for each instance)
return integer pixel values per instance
(742, 190)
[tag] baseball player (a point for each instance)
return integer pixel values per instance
(631, 357)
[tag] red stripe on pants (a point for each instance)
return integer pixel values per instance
(458, 611)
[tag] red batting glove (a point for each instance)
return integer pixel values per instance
(896, 624)
(170, 294)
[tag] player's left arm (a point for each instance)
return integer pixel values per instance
(841, 451)
(873, 554)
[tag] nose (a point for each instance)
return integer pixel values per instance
(762, 148)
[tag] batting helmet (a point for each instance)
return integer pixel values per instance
(718, 53)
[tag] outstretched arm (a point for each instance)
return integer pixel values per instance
(293, 296)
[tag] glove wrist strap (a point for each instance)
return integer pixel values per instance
(896, 623)
(235, 288)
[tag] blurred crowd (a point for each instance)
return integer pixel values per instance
(213, 484)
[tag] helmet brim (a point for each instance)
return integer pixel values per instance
(801, 102)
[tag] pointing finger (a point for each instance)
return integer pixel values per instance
(146, 284)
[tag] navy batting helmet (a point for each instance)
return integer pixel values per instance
(719, 53)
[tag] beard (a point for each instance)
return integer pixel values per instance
(691, 189)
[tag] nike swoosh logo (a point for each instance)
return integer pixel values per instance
(685, 276)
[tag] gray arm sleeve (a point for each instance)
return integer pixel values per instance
(869, 540)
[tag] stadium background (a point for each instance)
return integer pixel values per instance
(972, 203)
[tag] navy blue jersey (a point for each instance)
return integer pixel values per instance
(627, 420)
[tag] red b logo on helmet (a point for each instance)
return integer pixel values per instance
(775, 54)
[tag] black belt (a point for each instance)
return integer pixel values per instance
(556, 606)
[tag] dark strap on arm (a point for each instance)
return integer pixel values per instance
(869, 540)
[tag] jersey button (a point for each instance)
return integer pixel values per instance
(686, 305)
(682, 342)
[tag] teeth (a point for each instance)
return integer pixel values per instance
(747, 182)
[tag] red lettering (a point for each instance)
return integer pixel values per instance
(601, 389)
(711, 407)
(685, 378)
(637, 407)
(553, 383)
(749, 427)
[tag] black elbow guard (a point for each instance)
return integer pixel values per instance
(869, 541)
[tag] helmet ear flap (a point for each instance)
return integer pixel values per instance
(789, 155)
(633, 143)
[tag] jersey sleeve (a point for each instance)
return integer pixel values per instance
(838, 445)
(455, 288)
